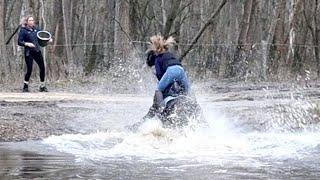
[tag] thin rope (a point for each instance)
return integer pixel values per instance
(198, 45)
(188, 44)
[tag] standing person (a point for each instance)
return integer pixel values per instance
(168, 67)
(28, 39)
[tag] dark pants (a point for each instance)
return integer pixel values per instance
(37, 56)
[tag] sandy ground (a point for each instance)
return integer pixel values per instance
(25, 116)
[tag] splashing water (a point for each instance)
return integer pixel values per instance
(217, 143)
(277, 138)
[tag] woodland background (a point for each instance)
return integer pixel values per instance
(268, 40)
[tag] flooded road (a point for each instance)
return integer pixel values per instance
(254, 137)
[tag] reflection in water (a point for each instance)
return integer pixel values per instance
(29, 165)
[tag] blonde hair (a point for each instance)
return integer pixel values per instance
(159, 44)
(24, 20)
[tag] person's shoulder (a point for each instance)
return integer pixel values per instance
(169, 54)
(23, 30)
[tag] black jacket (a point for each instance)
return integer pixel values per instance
(163, 61)
(29, 35)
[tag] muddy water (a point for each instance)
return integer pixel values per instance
(249, 138)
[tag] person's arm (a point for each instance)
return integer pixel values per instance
(158, 69)
(21, 38)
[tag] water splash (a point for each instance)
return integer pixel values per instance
(216, 143)
(152, 141)
(225, 142)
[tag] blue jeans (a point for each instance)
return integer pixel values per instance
(173, 73)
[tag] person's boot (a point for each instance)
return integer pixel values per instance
(25, 87)
(43, 87)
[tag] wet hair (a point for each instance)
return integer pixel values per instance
(159, 44)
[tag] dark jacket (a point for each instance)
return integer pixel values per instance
(163, 61)
(29, 35)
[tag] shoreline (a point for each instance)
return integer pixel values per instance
(34, 115)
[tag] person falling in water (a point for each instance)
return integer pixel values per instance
(168, 69)
(28, 39)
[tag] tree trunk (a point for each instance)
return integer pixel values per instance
(59, 50)
(19, 58)
(232, 34)
(171, 16)
(97, 40)
(4, 61)
(85, 24)
(238, 65)
(300, 42)
(44, 26)
(32, 8)
(121, 32)
(279, 40)
(316, 36)
(275, 34)
(294, 7)
(66, 14)
(109, 34)
(203, 28)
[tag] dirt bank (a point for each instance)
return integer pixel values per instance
(25, 116)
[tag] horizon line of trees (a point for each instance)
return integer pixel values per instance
(245, 39)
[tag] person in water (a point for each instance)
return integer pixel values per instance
(168, 68)
(28, 39)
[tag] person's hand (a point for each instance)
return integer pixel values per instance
(29, 45)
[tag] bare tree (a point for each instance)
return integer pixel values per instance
(3, 56)
(238, 67)
(66, 10)
(203, 28)
(275, 34)
(314, 26)
(121, 32)
(316, 34)
(293, 12)
(171, 16)
(270, 39)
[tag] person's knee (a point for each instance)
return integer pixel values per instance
(160, 88)
(29, 70)
(42, 70)
(41, 67)
(28, 74)
(163, 84)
